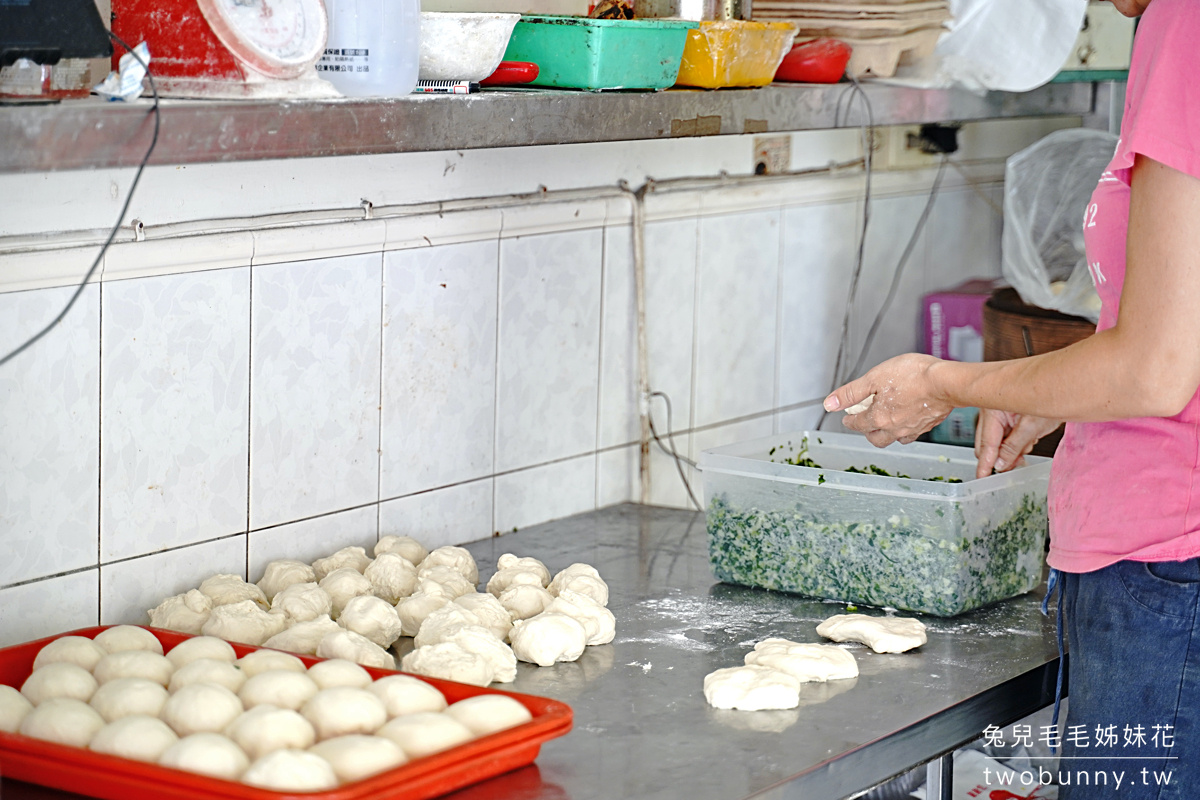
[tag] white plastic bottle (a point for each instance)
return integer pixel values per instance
(374, 47)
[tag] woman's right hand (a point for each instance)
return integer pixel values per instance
(1003, 439)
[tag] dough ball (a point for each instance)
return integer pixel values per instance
(548, 638)
(369, 616)
(134, 664)
(259, 661)
(751, 688)
(443, 622)
(198, 647)
(127, 697)
(404, 694)
(510, 561)
(356, 756)
(804, 662)
(225, 589)
(140, 737)
(201, 708)
(13, 708)
(405, 546)
(597, 621)
(303, 602)
(392, 577)
(303, 637)
(881, 634)
(343, 710)
(208, 670)
(265, 729)
(64, 720)
(282, 688)
(355, 647)
(491, 614)
(447, 579)
(458, 558)
(185, 612)
(208, 754)
(481, 642)
(128, 637)
(343, 585)
(354, 558)
(413, 610)
(244, 622)
(582, 578)
(523, 601)
(60, 679)
(283, 573)
(507, 578)
(291, 771)
(426, 733)
(78, 650)
(488, 713)
(339, 672)
(449, 661)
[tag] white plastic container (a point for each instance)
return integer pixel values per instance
(463, 46)
(915, 543)
(374, 47)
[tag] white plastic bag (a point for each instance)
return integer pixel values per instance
(1046, 191)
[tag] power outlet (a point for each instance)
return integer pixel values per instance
(899, 147)
(772, 154)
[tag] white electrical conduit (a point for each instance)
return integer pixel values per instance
(366, 210)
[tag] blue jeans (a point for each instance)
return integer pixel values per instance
(1134, 669)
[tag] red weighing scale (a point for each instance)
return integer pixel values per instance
(229, 48)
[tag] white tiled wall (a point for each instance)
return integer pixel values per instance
(177, 425)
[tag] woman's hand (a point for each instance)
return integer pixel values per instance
(1003, 439)
(907, 400)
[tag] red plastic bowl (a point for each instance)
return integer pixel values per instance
(818, 61)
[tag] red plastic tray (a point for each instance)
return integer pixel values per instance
(98, 775)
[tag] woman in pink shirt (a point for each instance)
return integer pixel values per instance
(1125, 485)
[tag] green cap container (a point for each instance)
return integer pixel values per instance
(597, 54)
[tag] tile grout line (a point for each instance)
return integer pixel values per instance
(99, 447)
(776, 396)
(249, 390)
(600, 368)
(382, 344)
(496, 377)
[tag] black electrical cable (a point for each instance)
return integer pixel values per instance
(867, 132)
(912, 241)
(113, 233)
(673, 451)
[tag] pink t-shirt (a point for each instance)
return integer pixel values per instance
(1131, 489)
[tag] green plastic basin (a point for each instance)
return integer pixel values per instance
(595, 54)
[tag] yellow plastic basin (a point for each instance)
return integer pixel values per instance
(734, 53)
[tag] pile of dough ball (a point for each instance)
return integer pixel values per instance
(264, 719)
(355, 606)
(478, 637)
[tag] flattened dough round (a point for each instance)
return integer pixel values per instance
(881, 634)
(265, 729)
(200, 708)
(343, 710)
(260, 661)
(404, 694)
(291, 771)
(78, 650)
(134, 664)
(751, 688)
(282, 688)
(359, 756)
(336, 672)
(127, 697)
(13, 708)
(128, 637)
(59, 679)
(64, 720)
(208, 670)
(804, 662)
(198, 647)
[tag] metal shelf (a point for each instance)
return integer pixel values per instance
(91, 133)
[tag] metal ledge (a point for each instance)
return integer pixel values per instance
(90, 133)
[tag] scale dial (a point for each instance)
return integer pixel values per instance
(279, 38)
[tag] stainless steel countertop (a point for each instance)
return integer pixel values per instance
(642, 727)
(90, 133)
